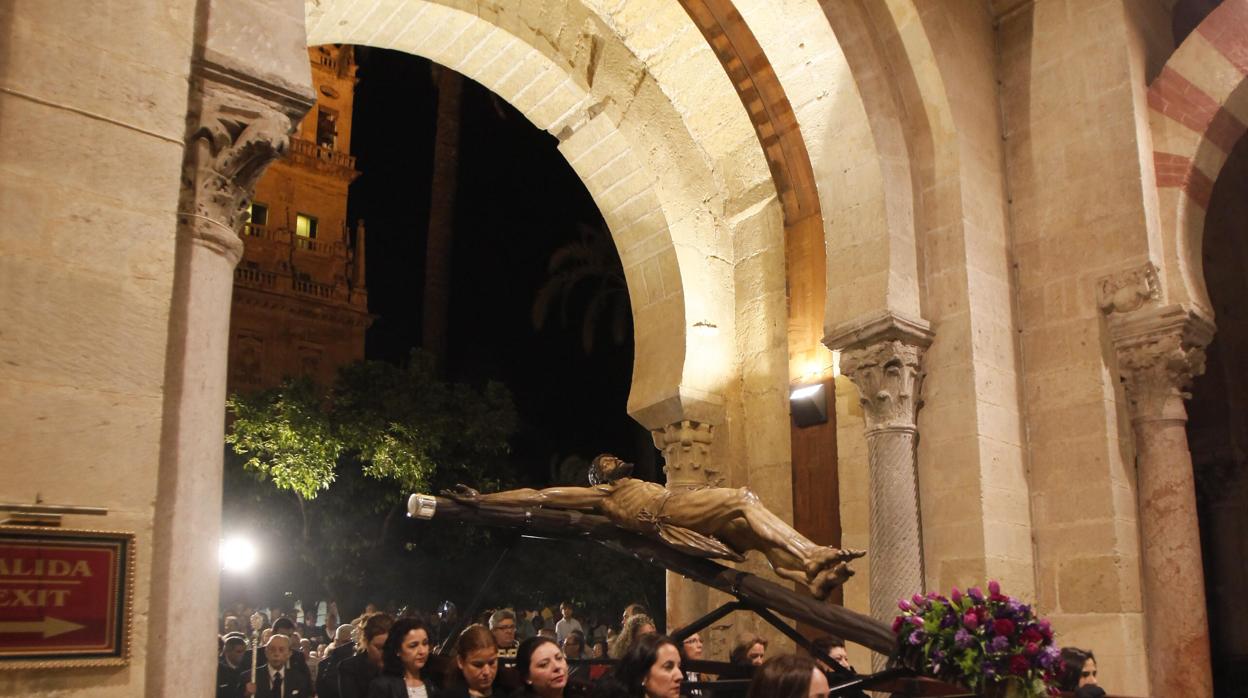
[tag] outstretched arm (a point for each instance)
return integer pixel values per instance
(581, 498)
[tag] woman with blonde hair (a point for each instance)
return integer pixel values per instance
(636, 626)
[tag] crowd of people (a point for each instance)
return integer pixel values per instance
(522, 655)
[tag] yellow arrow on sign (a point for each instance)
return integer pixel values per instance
(49, 626)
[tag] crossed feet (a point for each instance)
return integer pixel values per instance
(828, 568)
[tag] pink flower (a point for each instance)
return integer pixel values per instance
(1031, 649)
(904, 605)
(897, 623)
(970, 620)
(956, 596)
(994, 588)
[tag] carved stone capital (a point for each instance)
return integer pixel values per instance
(1159, 352)
(236, 127)
(686, 447)
(888, 376)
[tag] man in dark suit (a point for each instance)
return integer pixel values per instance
(232, 649)
(279, 677)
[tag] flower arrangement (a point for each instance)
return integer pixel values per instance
(990, 643)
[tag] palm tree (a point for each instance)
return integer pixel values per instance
(586, 274)
(441, 214)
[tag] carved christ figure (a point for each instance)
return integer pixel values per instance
(716, 522)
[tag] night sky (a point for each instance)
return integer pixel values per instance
(518, 200)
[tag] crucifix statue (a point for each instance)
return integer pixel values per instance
(712, 522)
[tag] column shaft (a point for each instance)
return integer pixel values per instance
(896, 554)
(1174, 581)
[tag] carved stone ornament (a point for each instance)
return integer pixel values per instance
(236, 127)
(1159, 353)
(1128, 290)
(686, 447)
(888, 378)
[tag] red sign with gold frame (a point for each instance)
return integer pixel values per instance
(65, 597)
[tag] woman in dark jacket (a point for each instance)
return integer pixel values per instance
(405, 655)
(357, 672)
(475, 671)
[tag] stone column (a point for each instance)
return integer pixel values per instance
(237, 125)
(888, 377)
(883, 357)
(1159, 351)
(686, 448)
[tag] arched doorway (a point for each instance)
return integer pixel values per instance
(1218, 425)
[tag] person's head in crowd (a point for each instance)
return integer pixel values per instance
(691, 648)
(789, 676)
(636, 626)
(265, 635)
(549, 632)
(633, 609)
(277, 651)
(834, 647)
(234, 648)
(233, 624)
(600, 649)
(284, 625)
(542, 667)
(566, 609)
(1078, 669)
(503, 625)
(749, 650)
(343, 634)
(370, 608)
(574, 645)
(374, 632)
(407, 649)
(476, 660)
(650, 668)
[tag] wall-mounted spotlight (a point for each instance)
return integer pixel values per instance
(809, 405)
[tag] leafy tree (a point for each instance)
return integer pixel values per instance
(397, 423)
(331, 469)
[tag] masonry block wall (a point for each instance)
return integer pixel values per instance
(90, 173)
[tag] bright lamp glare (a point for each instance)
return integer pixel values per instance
(237, 555)
(803, 393)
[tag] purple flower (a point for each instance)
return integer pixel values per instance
(994, 588)
(999, 643)
(918, 600)
(904, 605)
(1049, 656)
(976, 595)
(962, 639)
(956, 596)
(917, 637)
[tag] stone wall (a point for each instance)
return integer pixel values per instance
(89, 186)
(1077, 213)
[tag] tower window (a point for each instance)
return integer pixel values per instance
(326, 128)
(305, 226)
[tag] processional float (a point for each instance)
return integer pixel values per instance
(685, 531)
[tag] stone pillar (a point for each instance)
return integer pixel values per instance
(686, 448)
(883, 358)
(1159, 351)
(237, 125)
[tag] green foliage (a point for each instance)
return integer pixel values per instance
(398, 424)
(286, 435)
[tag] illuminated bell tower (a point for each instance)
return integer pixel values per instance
(300, 301)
